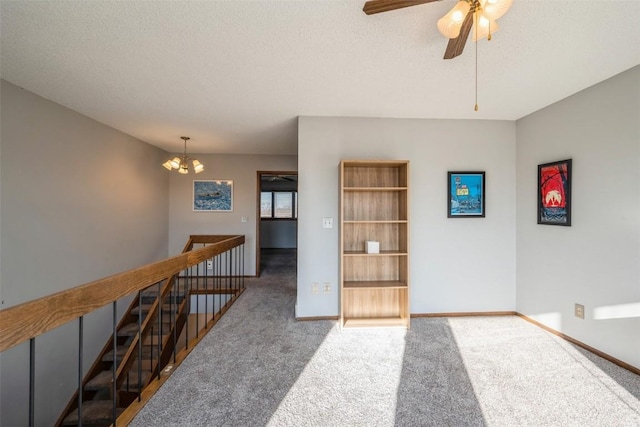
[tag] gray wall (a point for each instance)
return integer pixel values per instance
(596, 261)
(280, 233)
(462, 264)
(243, 170)
(80, 201)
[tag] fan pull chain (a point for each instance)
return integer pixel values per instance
(476, 30)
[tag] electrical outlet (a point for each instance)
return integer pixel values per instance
(327, 288)
(244, 219)
(579, 311)
(209, 264)
(314, 288)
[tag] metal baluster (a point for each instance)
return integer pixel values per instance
(151, 347)
(186, 321)
(206, 293)
(243, 285)
(139, 346)
(232, 274)
(32, 381)
(80, 369)
(159, 325)
(221, 278)
(229, 271)
(217, 283)
(173, 304)
(197, 300)
(237, 269)
(115, 360)
(223, 263)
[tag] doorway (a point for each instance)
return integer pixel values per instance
(277, 214)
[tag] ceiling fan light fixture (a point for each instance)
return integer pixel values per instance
(449, 25)
(495, 9)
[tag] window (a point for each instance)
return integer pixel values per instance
(283, 205)
(279, 204)
(266, 204)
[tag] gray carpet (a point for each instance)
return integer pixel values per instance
(261, 367)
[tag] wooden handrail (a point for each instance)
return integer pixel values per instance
(30, 319)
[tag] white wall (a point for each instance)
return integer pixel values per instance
(457, 265)
(596, 261)
(80, 201)
(243, 170)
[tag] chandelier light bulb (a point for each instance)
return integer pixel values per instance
(175, 163)
(197, 166)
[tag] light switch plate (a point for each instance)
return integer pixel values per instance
(579, 311)
(327, 222)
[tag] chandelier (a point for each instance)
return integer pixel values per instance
(182, 163)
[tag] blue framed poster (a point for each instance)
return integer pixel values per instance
(465, 194)
(213, 196)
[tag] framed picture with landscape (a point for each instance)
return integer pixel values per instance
(213, 196)
(554, 193)
(465, 194)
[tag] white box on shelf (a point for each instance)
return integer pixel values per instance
(372, 247)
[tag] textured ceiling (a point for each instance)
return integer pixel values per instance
(234, 75)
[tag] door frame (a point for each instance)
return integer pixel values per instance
(258, 219)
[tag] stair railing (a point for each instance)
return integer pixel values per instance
(210, 266)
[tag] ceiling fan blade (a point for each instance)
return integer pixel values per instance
(456, 46)
(378, 6)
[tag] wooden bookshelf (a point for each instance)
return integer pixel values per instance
(374, 205)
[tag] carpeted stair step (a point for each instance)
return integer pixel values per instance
(101, 381)
(166, 309)
(149, 297)
(153, 339)
(131, 329)
(94, 412)
(121, 350)
(131, 382)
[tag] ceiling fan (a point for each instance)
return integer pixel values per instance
(272, 178)
(455, 25)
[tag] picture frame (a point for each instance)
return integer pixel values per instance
(214, 195)
(554, 193)
(465, 194)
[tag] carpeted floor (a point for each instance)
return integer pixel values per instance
(261, 367)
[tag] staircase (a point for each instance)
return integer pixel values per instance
(160, 327)
(134, 363)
